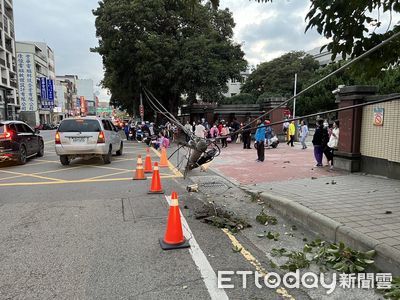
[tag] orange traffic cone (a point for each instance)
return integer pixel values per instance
(139, 174)
(147, 163)
(156, 187)
(173, 238)
(164, 159)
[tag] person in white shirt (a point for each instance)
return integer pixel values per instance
(200, 130)
(333, 143)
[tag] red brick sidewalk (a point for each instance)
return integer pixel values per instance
(282, 163)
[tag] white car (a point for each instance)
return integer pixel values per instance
(87, 137)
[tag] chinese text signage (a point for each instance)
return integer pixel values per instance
(27, 82)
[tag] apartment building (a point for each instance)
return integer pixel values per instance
(9, 105)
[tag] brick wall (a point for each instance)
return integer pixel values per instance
(381, 141)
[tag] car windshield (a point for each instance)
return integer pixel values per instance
(79, 125)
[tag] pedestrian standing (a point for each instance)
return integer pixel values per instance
(285, 128)
(246, 135)
(188, 131)
(214, 131)
(332, 144)
(303, 134)
(319, 141)
(220, 127)
(268, 133)
(260, 138)
(200, 130)
(292, 132)
(224, 134)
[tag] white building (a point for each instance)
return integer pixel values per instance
(324, 58)
(36, 73)
(235, 85)
(9, 105)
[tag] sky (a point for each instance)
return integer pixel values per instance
(266, 31)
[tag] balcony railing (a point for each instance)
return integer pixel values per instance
(9, 14)
(9, 48)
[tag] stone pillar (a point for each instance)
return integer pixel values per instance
(348, 156)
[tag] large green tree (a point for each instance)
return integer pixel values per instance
(166, 46)
(276, 77)
(320, 98)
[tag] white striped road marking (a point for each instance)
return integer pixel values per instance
(199, 258)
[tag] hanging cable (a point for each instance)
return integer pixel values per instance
(373, 49)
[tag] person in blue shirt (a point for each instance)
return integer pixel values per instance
(260, 138)
(268, 133)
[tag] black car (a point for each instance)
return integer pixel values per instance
(18, 142)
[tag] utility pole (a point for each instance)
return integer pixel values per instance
(141, 108)
(295, 93)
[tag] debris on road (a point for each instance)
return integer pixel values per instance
(221, 218)
(193, 188)
(265, 219)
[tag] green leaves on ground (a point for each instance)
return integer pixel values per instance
(265, 219)
(339, 257)
(334, 256)
(270, 235)
(297, 259)
(394, 291)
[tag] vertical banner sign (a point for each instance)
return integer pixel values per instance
(378, 116)
(83, 106)
(78, 102)
(26, 82)
(50, 93)
(43, 92)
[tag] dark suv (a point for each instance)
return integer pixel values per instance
(18, 142)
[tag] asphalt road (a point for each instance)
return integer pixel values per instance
(88, 231)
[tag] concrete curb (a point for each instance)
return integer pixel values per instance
(387, 258)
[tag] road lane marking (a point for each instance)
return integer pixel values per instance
(49, 142)
(202, 263)
(253, 261)
(30, 175)
(170, 165)
(12, 177)
(59, 181)
(107, 175)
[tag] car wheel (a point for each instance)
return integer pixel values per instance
(107, 157)
(22, 155)
(41, 149)
(64, 159)
(121, 148)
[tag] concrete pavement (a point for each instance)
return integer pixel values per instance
(363, 211)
